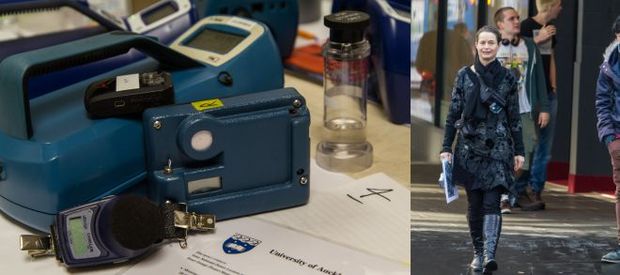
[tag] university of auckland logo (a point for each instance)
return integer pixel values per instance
(239, 243)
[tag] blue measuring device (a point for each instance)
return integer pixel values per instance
(165, 20)
(281, 16)
(54, 157)
(113, 230)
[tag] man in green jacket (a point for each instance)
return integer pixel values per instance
(521, 56)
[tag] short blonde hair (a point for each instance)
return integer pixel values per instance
(545, 5)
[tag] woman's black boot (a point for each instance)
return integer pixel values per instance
(475, 230)
(492, 227)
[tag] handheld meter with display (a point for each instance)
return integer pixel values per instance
(281, 16)
(217, 39)
(114, 229)
(240, 54)
(164, 19)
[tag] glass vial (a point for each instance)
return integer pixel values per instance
(343, 147)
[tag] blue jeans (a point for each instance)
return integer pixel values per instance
(542, 150)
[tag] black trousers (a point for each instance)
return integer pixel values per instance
(481, 202)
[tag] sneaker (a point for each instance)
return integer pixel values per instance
(612, 257)
(504, 205)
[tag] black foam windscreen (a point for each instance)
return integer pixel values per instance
(136, 222)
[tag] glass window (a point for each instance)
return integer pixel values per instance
(461, 26)
(423, 55)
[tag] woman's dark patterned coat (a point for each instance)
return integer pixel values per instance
(486, 159)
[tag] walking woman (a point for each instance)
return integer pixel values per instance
(484, 113)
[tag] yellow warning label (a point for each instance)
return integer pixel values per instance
(207, 104)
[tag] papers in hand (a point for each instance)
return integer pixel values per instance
(445, 181)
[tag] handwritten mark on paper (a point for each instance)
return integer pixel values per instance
(373, 191)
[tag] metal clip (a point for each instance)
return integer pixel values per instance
(168, 167)
(180, 222)
(37, 245)
(193, 221)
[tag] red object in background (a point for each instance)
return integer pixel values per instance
(557, 171)
(426, 75)
(307, 61)
(581, 183)
(427, 84)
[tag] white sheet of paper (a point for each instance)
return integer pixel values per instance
(323, 180)
(346, 211)
(277, 251)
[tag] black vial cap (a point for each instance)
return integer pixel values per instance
(346, 26)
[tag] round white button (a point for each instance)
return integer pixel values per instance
(202, 140)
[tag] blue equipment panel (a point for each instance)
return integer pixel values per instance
(53, 156)
(389, 33)
(233, 156)
(281, 16)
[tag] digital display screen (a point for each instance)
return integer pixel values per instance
(77, 237)
(214, 41)
(158, 13)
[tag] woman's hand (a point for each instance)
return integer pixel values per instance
(519, 160)
(446, 155)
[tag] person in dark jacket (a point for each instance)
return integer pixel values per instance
(484, 115)
(608, 114)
